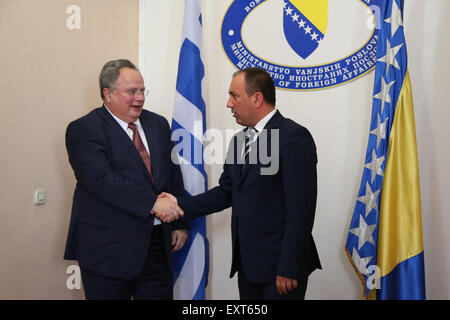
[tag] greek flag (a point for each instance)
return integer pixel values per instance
(384, 243)
(191, 263)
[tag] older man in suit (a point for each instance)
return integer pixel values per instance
(273, 202)
(120, 155)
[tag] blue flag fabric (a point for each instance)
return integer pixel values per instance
(384, 242)
(191, 263)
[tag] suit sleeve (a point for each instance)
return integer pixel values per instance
(211, 201)
(298, 167)
(87, 148)
(215, 199)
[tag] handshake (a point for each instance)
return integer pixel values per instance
(166, 208)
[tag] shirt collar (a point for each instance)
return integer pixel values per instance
(262, 123)
(122, 123)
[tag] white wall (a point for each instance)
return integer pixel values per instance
(338, 119)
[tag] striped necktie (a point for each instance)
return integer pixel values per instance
(250, 137)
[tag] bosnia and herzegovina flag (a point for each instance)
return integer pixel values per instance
(384, 242)
(305, 23)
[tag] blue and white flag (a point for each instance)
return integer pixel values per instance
(191, 263)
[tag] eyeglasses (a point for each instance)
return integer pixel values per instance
(135, 92)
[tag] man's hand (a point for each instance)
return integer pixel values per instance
(166, 210)
(168, 196)
(284, 285)
(178, 239)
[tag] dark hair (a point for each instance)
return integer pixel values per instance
(259, 80)
(110, 72)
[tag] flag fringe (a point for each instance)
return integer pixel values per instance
(360, 276)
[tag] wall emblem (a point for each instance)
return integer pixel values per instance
(304, 27)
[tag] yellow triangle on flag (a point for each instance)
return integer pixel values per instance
(315, 10)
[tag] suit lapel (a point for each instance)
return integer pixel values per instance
(123, 138)
(263, 139)
(153, 137)
(234, 156)
(273, 123)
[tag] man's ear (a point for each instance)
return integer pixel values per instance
(258, 99)
(107, 94)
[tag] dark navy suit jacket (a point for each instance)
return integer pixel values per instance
(272, 215)
(111, 224)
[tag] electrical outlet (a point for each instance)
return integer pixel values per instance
(40, 196)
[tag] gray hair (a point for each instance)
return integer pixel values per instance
(110, 72)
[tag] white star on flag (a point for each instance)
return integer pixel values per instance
(390, 57)
(383, 95)
(395, 20)
(301, 24)
(375, 165)
(364, 232)
(369, 199)
(295, 17)
(360, 263)
(380, 130)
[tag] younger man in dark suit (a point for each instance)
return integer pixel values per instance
(273, 207)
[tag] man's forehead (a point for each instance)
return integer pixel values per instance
(129, 76)
(129, 73)
(237, 85)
